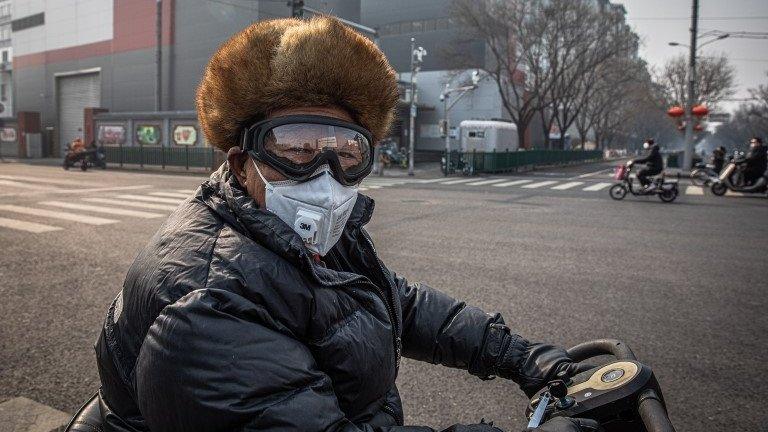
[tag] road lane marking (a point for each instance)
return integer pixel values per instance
(144, 205)
(99, 209)
(512, 183)
(74, 217)
(569, 185)
(170, 195)
(485, 182)
(734, 194)
(539, 184)
(186, 191)
(26, 226)
(597, 187)
(362, 188)
(47, 180)
(694, 190)
(452, 182)
(590, 174)
(26, 185)
(151, 199)
(432, 180)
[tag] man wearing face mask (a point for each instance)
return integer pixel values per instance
(261, 303)
(756, 161)
(654, 164)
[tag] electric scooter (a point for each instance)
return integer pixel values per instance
(667, 191)
(622, 395)
(725, 183)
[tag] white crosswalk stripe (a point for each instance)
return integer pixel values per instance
(597, 187)
(151, 199)
(185, 191)
(694, 190)
(452, 182)
(101, 209)
(170, 195)
(144, 205)
(51, 181)
(512, 183)
(568, 185)
(485, 182)
(26, 226)
(22, 185)
(74, 217)
(539, 184)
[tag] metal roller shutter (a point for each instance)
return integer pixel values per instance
(75, 93)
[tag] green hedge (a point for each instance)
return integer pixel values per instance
(494, 162)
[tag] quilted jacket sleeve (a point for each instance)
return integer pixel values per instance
(442, 330)
(212, 362)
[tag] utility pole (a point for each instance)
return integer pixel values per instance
(689, 147)
(159, 55)
(417, 56)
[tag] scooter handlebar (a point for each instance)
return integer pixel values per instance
(653, 413)
(598, 347)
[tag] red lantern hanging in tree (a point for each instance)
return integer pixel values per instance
(675, 112)
(700, 110)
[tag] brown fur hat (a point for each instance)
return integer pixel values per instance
(286, 63)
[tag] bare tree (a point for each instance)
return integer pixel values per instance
(513, 31)
(714, 80)
(590, 38)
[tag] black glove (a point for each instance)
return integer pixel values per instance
(567, 424)
(530, 365)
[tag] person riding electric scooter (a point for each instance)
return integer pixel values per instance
(262, 303)
(756, 161)
(654, 165)
(754, 172)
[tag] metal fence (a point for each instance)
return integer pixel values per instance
(187, 157)
(496, 162)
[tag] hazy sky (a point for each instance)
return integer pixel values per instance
(661, 21)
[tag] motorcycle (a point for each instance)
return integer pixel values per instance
(728, 180)
(460, 165)
(703, 174)
(93, 157)
(667, 191)
(621, 395)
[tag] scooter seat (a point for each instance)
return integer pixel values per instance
(88, 418)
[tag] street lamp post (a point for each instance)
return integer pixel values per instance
(417, 56)
(447, 107)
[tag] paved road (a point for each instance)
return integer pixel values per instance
(683, 283)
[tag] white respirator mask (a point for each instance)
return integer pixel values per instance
(317, 209)
(646, 145)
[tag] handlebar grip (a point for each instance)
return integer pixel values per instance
(653, 413)
(598, 347)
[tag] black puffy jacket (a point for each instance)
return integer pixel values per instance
(225, 322)
(653, 160)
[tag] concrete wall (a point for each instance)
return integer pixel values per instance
(482, 103)
(440, 44)
(68, 23)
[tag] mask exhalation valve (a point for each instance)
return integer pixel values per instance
(307, 225)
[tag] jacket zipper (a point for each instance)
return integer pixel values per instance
(389, 304)
(391, 411)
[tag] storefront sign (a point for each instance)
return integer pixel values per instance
(111, 134)
(148, 134)
(8, 134)
(184, 135)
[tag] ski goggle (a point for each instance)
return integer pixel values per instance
(297, 145)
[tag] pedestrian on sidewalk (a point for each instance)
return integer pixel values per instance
(261, 304)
